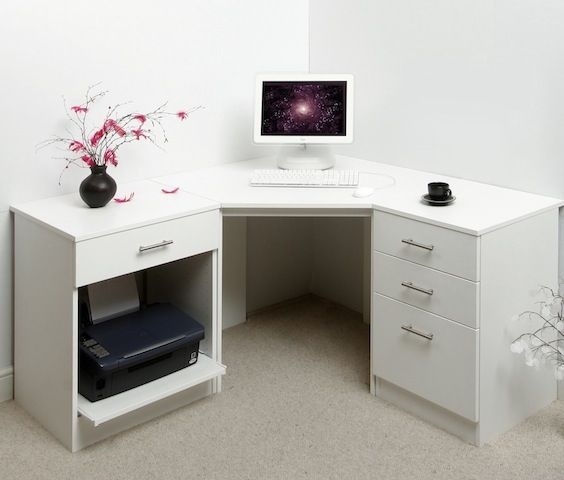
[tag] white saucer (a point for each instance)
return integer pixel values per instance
(427, 199)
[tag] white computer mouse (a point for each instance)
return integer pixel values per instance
(362, 192)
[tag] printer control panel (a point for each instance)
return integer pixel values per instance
(94, 347)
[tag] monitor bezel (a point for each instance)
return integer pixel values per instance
(303, 139)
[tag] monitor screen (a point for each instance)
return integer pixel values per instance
(304, 108)
(308, 108)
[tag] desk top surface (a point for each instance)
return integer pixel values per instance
(478, 209)
(69, 215)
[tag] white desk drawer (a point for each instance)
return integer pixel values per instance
(120, 253)
(429, 289)
(443, 369)
(436, 247)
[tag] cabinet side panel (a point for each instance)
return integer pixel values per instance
(45, 329)
(234, 271)
(515, 261)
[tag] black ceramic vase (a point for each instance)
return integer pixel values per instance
(98, 188)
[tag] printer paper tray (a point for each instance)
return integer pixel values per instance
(112, 407)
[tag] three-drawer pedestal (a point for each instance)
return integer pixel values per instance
(441, 321)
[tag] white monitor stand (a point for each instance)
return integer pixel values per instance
(305, 157)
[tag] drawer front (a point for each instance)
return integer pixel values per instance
(117, 254)
(434, 291)
(443, 369)
(436, 247)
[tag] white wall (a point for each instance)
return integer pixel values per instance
(187, 53)
(467, 88)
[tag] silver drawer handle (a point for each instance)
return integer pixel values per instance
(409, 241)
(410, 329)
(428, 291)
(164, 243)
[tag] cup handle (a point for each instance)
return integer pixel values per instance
(449, 193)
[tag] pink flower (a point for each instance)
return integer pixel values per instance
(141, 118)
(110, 157)
(182, 115)
(138, 133)
(108, 125)
(97, 137)
(88, 160)
(172, 190)
(120, 131)
(125, 198)
(76, 146)
(111, 124)
(79, 109)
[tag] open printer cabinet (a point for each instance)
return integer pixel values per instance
(46, 337)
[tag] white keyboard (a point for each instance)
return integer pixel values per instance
(304, 178)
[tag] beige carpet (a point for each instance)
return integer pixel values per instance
(295, 405)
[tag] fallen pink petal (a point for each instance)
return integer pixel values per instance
(125, 198)
(172, 190)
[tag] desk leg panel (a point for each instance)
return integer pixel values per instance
(45, 329)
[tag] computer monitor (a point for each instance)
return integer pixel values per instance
(306, 113)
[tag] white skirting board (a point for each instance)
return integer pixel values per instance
(6, 384)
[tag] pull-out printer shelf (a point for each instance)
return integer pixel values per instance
(110, 408)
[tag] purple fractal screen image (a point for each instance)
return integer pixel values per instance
(304, 108)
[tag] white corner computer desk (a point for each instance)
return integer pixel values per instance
(444, 283)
